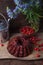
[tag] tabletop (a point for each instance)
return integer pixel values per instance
(18, 62)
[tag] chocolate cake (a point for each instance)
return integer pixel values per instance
(20, 46)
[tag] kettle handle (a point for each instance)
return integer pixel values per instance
(4, 19)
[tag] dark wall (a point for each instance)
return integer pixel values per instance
(4, 4)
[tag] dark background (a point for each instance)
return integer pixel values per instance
(4, 4)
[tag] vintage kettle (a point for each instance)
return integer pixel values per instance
(4, 33)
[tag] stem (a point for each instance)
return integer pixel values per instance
(39, 15)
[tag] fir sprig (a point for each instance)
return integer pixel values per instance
(33, 15)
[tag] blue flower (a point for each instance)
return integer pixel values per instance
(24, 6)
(16, 10)
(17, 2)
(9, 12)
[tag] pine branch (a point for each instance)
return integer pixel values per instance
(33, 14)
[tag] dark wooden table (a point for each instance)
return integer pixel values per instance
(18, 62)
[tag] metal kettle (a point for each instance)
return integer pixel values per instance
(4, 34)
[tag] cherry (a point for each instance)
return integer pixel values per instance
(37, 55)
(1, 44)
(36, 49)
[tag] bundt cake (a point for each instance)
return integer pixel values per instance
(20, 46)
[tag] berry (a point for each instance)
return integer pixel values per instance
(37, 55)
(27, 30)
(36, 49)
(9, 12)
(1, 45)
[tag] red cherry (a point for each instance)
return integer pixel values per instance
(36, 49)
(29, 33)
(34, 37)
(37, 55)
(27, 30)
(22, 30)
(1, 44)
(33, 40)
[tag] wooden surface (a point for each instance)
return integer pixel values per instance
(18, 62)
